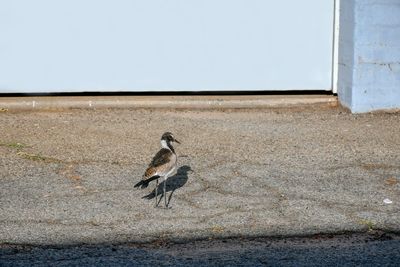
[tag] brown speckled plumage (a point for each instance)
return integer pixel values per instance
(161, 164)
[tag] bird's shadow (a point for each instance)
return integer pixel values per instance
(173, 183)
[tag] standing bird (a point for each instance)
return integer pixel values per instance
(162, 165)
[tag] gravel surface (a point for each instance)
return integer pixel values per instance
(67, 176)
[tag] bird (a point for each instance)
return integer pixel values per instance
(163, 165)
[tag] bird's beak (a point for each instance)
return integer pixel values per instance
(177, 141)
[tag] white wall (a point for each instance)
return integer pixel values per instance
(369, 54)
(141, 45)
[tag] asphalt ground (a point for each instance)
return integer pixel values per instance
(67, 176)
(368, 249)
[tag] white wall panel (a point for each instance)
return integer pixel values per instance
(165, 45)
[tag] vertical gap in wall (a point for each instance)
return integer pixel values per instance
(335, 52)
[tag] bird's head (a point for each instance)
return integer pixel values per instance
(168, 137)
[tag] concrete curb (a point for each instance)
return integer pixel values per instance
(193, 102)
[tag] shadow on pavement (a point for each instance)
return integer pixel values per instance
(343, 250)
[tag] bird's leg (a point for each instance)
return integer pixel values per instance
(165, 191)
(155, 196)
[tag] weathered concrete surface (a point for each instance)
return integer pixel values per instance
(67, 176)
(168, 101)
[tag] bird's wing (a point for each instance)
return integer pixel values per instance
(161, 158)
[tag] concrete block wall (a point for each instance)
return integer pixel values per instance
(369, 54)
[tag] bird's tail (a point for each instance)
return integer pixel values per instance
(142, 184)
(145, 181)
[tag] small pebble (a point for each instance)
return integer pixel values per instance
(387, 201)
